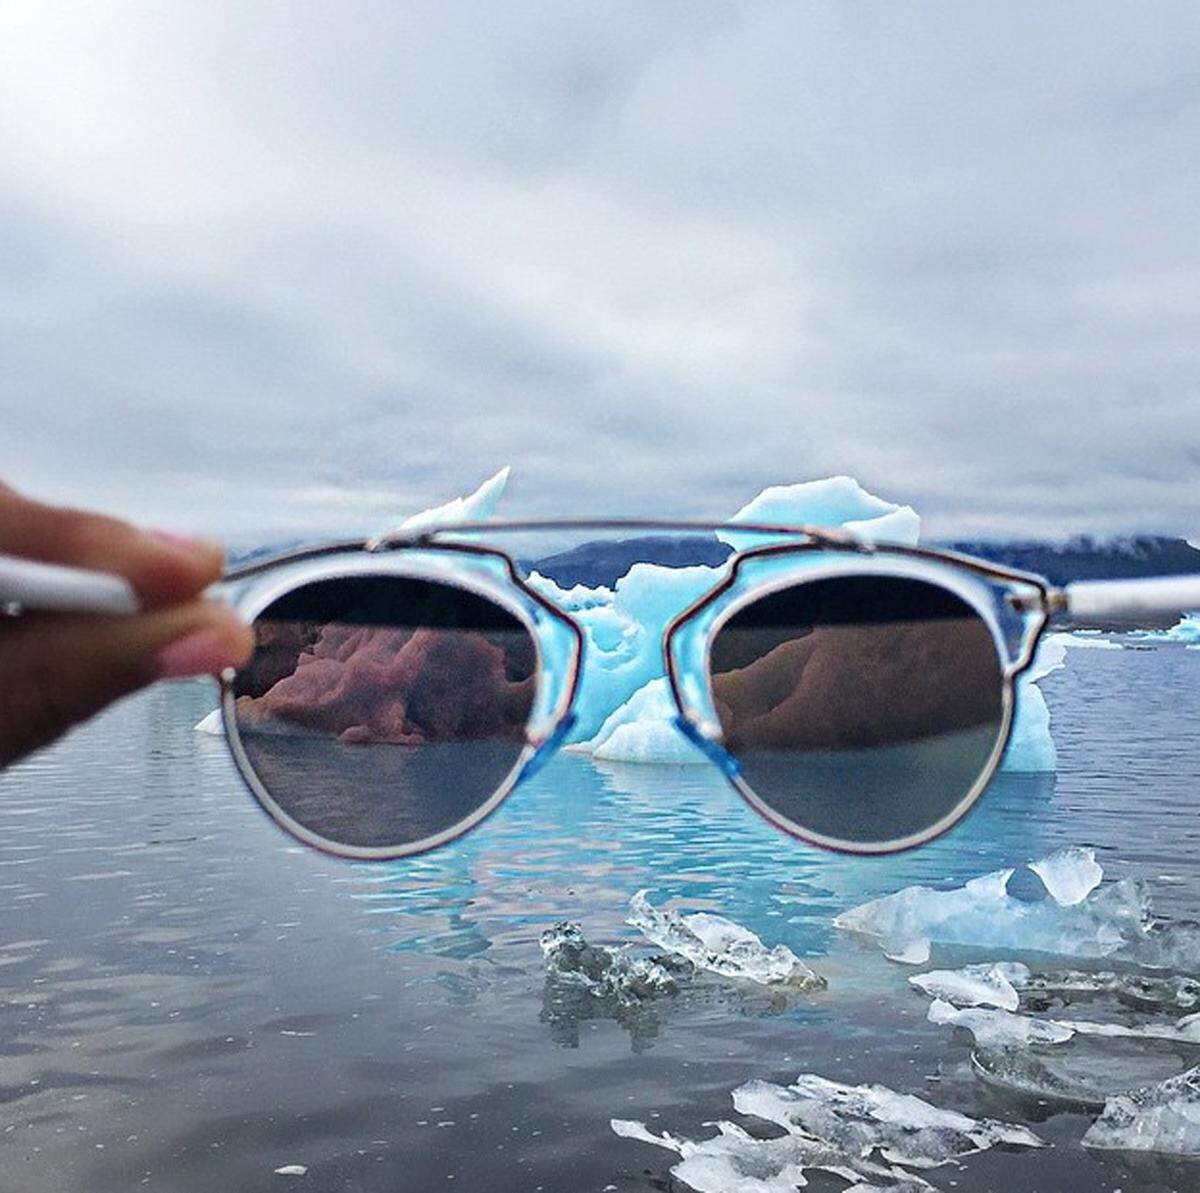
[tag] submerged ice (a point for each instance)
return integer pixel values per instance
(868, 1135)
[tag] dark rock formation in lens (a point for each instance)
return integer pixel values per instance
(384, 684)
(842, 687)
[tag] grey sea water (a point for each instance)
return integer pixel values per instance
(189, 1001)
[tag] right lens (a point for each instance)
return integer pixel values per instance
(383, 712)
(863, 709)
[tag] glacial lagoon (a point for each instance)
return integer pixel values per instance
(191, 1001)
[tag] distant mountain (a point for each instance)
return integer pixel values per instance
(1086, 558)
(603, 563)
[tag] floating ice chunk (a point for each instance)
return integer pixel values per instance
(212, 724)
(1070, 875)
(861, 1118)
(835, 501)
(1187, 630)
(999, 1029)
(603, 972)
(1082, 640)
(1159, 1118)
(1141, 991)
(292, 1170)
(475, 507)
(643, 730)
(908, 952)
(1002, 1029)
(975, 985)
(832, 1128)
(733, 1161)
(1030, 746)
(713, 943)
(1109, 921)
(579, 596)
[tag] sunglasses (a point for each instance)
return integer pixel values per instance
(858, 696)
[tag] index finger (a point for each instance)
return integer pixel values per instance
(164, 569)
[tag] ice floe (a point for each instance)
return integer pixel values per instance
(1186, 630)
(1161, 1118)
(868, 1135)
(1063, 910)
(717, 945)
(1083, 640)
(975, 985)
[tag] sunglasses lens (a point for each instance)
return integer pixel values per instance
(863, 710)
(384, 712)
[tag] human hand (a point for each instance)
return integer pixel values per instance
(59, 669)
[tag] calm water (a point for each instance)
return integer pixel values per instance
(188, 1001)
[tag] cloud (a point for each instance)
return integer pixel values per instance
(265, 269)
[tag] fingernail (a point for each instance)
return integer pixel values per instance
(202, 652)
(187, 542)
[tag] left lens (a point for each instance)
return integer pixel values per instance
(863, 710)
(383, 714)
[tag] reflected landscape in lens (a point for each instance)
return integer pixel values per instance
(860, 708)
(381, 711)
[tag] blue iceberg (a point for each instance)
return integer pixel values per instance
(624, 710)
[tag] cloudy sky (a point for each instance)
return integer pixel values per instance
(293, 267)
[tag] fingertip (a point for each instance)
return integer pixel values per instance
(169, 567)
(214, 641)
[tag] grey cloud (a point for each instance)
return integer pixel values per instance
(261, 270)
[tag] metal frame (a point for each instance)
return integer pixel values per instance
(1039, 601)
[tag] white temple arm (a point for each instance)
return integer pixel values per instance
(51, 587)
(1132, 598)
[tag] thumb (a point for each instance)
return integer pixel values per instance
(61, 669)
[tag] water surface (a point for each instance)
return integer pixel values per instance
(189, 1001)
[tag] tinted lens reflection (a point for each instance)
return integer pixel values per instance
(861, 708)
(380, 711)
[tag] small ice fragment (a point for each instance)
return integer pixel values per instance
(914, 951)
(999, 1029)
(291, 1170)
(975, 985)
(1070, 875)
(832, 1128)
(1158, 1118)
(1083, 639)
(602, 972)
(713, 943)
(212, 723)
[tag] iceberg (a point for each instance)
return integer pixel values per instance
(474, 507)
(624, 710)
(828, 1127)
(1074, 917)
(713, 943)
(1161, 1118)
(1030, 746)
(1187, 631)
